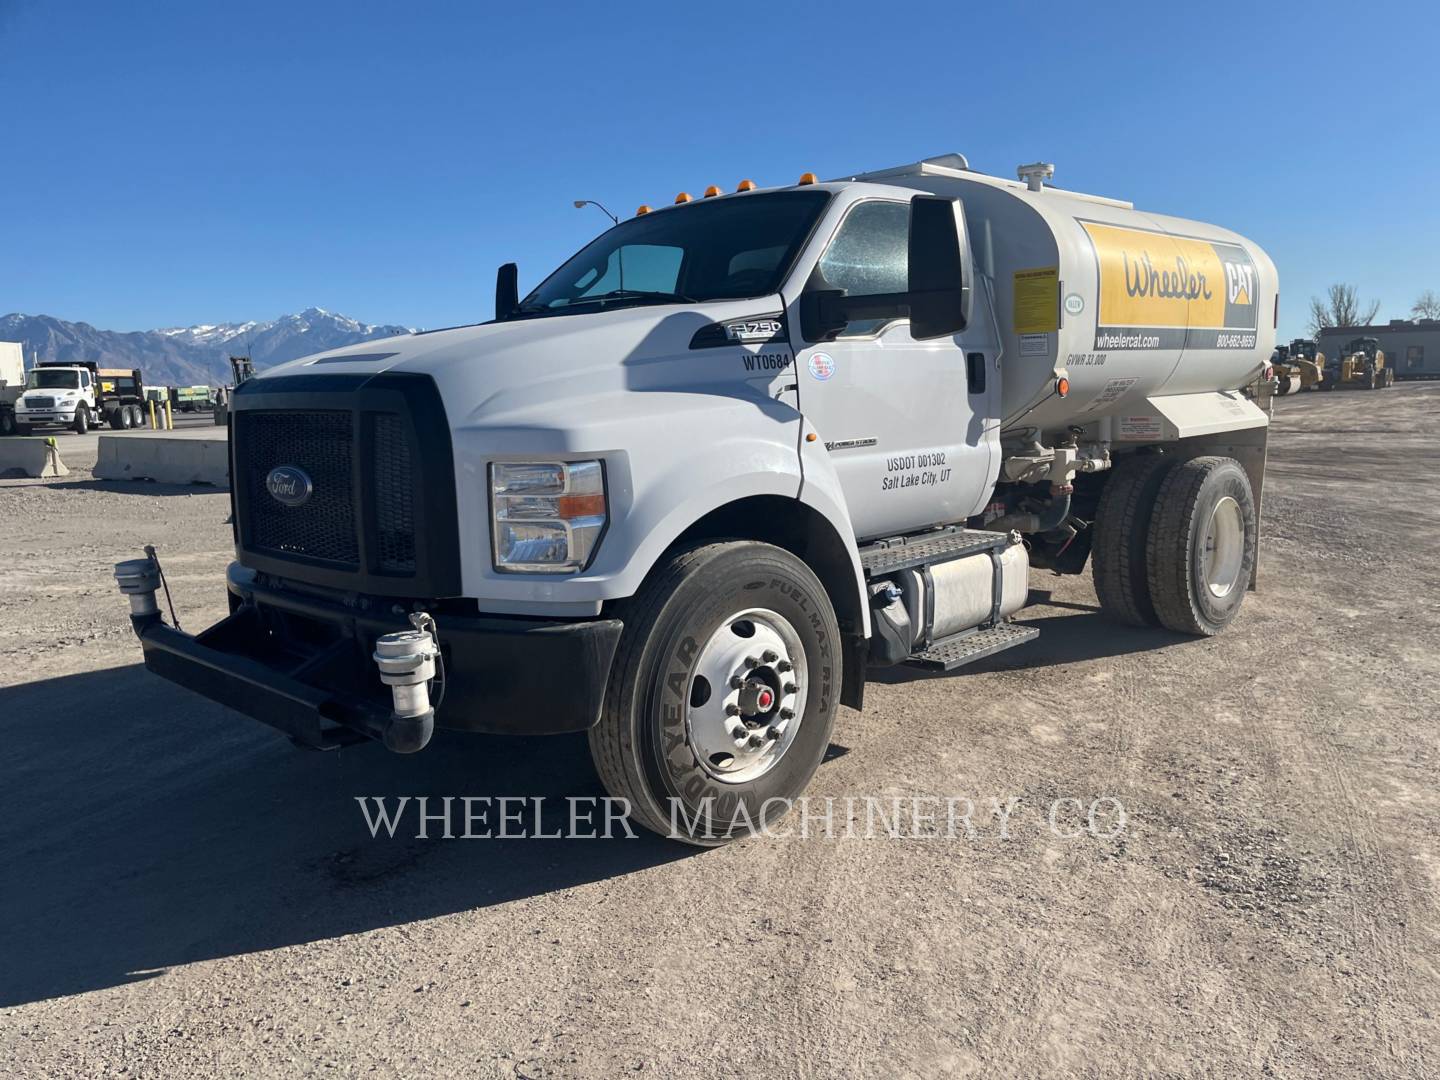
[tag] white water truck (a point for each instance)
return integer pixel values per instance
(727, 457)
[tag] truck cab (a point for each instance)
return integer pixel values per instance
(726, 457)
(56, 395)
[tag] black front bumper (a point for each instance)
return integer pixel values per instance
(303, 664)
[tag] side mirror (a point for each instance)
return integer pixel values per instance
(822, 314)
(507, 291)
(940, 270)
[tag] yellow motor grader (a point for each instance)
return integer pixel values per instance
(1362, 366)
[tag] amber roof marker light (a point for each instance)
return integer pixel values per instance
(712, 191)
(683, 197)
(806, 178)
(642, 211)
(745, 185)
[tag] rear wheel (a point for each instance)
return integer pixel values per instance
(1283, 385)
(1122, 522)
(1202, 544)
(137, 416)
(7, 422)
(723, 692)
(115, 419)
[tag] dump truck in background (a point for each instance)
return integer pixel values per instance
(79, 394)
(728, 457)
(12, 383)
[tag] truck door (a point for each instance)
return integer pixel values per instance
(904, 421)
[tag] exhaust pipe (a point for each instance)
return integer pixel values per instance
(406, 660)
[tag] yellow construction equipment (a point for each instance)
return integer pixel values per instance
(1298, 366)
(1361, 366)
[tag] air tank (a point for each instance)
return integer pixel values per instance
(1126, 304)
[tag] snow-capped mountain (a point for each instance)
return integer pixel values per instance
(188, 355)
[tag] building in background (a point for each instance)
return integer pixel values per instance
(1411, 347)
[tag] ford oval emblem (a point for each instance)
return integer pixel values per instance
(289, 485)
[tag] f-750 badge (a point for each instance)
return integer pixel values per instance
(754, 330)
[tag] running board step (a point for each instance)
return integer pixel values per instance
(905, 553)
(953, 652)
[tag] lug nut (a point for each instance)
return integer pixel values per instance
(757, 741)
(736, 682)
(770, 656)
(732, 710)
(752, 661)
(787, 714)
(772, 734)
(783, 666)
(789, 688)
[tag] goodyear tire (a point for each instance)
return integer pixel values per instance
(701, 758)
(1118, 545)
(1201, 545)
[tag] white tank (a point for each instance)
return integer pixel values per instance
(1126, 304)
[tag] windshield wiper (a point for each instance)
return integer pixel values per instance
(644, 296)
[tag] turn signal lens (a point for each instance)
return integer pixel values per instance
(745, 185)
(1062, 386)
(807, 178)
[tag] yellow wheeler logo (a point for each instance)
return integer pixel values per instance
(1161, 291)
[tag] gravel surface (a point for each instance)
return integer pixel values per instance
(185, 894)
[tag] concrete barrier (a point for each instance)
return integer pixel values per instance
(31, 457)
(164, 458)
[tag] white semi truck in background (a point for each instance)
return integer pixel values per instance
(728, 456)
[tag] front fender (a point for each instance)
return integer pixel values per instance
(682, 457)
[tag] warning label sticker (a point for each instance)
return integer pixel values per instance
(1037, 300)
(1140, 429)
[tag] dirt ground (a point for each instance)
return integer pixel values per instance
(186, 894)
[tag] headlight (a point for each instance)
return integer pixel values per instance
(546, 517)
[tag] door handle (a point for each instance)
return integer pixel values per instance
(975, 372)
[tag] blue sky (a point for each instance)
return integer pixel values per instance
(174, 163)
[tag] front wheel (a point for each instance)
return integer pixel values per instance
(82, 420)
(723, 692)
(7, 422)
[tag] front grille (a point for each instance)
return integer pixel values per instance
(394, 480)
(40, 402)
(381, 516)
(324, 527)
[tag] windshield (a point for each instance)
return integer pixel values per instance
(726, 249)
(40, 379)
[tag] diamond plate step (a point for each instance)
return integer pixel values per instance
(954, 652)
(930, 548)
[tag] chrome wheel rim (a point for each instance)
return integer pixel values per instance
(746, 696)
(1224, 551)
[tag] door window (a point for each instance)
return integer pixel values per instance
(1414, 357)
(869, 256)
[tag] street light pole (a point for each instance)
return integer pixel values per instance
(580, 204)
